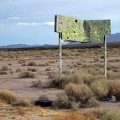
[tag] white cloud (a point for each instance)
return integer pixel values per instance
(14, 18)
(49, 23)
(35, 24)
(26, 24)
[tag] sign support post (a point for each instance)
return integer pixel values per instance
(60, 59)
(105, 57)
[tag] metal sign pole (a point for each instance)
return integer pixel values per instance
(105, 56)
(60, 59)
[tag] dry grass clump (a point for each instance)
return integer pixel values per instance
(18, 70)
(78, 92)
(32, 63)
(36, 83)
(112, 75)
(4, 68)
(21, 61)
(79, 62)
(76, 96)
(48, 69)
(62, 101)
(27, 74)
(3, 72)
(114, 115)
(22, 102)
(7, 96)
(1, 58)
(100, 88)
(21, 110)
(32, 69)
(53, 76)
(78, 78)
(115, 85)
(100, 112)
(76, 116)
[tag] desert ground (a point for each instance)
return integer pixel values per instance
(43, 63)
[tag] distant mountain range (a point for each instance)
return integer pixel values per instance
(112, 38)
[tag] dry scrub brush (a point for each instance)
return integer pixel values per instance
(7, 96)
(76, 95)
(76, 116)
(100, 88)
(27, 74)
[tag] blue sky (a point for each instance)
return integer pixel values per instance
(32, 21)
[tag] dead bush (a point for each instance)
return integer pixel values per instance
(21, 61)
(4, 68)
(100, 88)
(32, 63)
(7, 96)
(77, 116)
(27, 74)
(115, 85)
(81, 92)
(22, 102)
(62, 101)
(32, 69)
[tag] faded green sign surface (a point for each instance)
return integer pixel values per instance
(81, 30)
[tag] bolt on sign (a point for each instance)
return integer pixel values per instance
(75, 30)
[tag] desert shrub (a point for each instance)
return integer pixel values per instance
(93, 71)
(115, 85)
(3, 72)
(21, 110)
(32, 63)
(23, 103)
(9, 63)
(100, 88)
(79, 62)
(27, 74)
(93, 102)
(78, 78)
(66, 72)
(18, 70)
(1, 58)
(114, 115)
(48, 69)
(21, 61)
(51, 61)
(4, 68)
(32, 69)
(11, 71)
(81, 92)
(81, 95)
(53, 76)
(8, 96)
(112, 75)
(36, 83)
(100, 112)
(62, 101)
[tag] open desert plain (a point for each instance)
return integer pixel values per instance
(32, 74)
